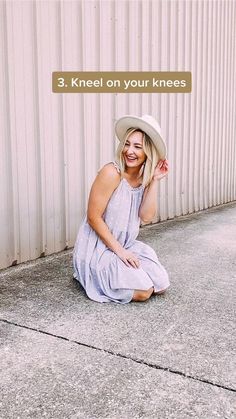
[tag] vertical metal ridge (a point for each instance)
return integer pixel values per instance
(63, 158)
(228, 119)
(40, 211)
(64, 130)
(220, 122)
(106, 100)
(196, 87)
(234, 106)
(42, 177)
(121, 55)
(7, 245)
(217, 101)
(186, 115)
(233, 90)
(224, 138)
(190, 191)
(163, 66)
(13, 181)
(91, 108)
(201, 96)
(230, 94)
(134, 52)
(179, 126)
(204, 173)
(210, 95)
(167, 107)
(214, 102)
(172, 128)
(145, 42)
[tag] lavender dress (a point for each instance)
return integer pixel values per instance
(103, 275)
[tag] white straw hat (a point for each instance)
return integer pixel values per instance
(146, 123)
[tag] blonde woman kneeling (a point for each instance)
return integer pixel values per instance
(110, 264)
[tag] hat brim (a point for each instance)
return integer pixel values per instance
(130, 121)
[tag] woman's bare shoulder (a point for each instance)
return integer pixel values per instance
(109, 173)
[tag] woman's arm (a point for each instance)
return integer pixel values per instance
(148, 207)
(103, 187)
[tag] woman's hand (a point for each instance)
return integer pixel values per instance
(161, 170)
(128, 258)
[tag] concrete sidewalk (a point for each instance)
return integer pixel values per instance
(64, 356)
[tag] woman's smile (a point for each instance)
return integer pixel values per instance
(130, 159)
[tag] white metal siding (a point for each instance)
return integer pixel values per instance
(53, 144)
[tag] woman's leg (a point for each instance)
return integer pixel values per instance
(142, 295)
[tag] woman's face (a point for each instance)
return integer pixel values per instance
(133, 153)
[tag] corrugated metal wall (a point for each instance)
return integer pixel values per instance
(53, 144)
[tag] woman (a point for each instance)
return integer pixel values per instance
(110, 264)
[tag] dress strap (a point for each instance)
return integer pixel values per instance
(116, 166)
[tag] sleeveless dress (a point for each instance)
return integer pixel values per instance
(102, 274)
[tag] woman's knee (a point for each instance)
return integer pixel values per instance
(142, 295)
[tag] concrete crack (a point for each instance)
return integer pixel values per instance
(138, 361)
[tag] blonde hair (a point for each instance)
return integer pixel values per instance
(152, 157)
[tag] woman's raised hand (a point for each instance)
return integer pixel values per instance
(161, 170)
(128, 258)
